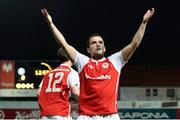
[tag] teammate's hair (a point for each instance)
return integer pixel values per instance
(63, 57)
(93, 35)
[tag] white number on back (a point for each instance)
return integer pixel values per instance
(52, 88)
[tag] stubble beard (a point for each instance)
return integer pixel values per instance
(98, 55)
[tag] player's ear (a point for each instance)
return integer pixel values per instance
(88, 50)
(104, 49)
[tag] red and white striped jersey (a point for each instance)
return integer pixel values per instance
(55, 91)
(99, 81)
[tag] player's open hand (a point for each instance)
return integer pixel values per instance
(46, 15)
(148, 15)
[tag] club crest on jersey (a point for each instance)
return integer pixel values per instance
(90, 66)
(105, 65)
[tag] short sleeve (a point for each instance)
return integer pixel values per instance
(117, 60)
(73, 78)
(80, 61)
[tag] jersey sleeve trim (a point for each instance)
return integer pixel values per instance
(73, 78)
(117, 60)
(80, 61)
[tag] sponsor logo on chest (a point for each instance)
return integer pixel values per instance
(100, 77)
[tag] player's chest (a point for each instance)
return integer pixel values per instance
(98, 68)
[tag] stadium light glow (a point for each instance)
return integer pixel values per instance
(21, 71)
(25, 85)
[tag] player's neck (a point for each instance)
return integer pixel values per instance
(98, 57)
(69, 63)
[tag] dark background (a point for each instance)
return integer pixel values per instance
(24, 34)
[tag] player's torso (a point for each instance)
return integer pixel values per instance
(55, 91)
(99, 80)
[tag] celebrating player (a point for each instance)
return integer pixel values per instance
(99, 76)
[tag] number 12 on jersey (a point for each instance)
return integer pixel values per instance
(53, 80)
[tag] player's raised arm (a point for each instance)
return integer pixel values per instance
(58, 36)
(129, 49)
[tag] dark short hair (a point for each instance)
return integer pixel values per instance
(93, 35)
(62, 55)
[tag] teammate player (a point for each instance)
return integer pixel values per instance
(99, 76)
(55, 90)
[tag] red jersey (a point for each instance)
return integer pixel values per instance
(55, 91)
(99, 81)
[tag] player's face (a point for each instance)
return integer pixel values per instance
(96, 47)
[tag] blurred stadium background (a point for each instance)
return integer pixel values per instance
(149, 87)
(146, 92)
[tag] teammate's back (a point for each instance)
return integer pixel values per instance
(55, 88)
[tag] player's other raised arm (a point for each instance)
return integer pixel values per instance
(129, 49)
(58, 36)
